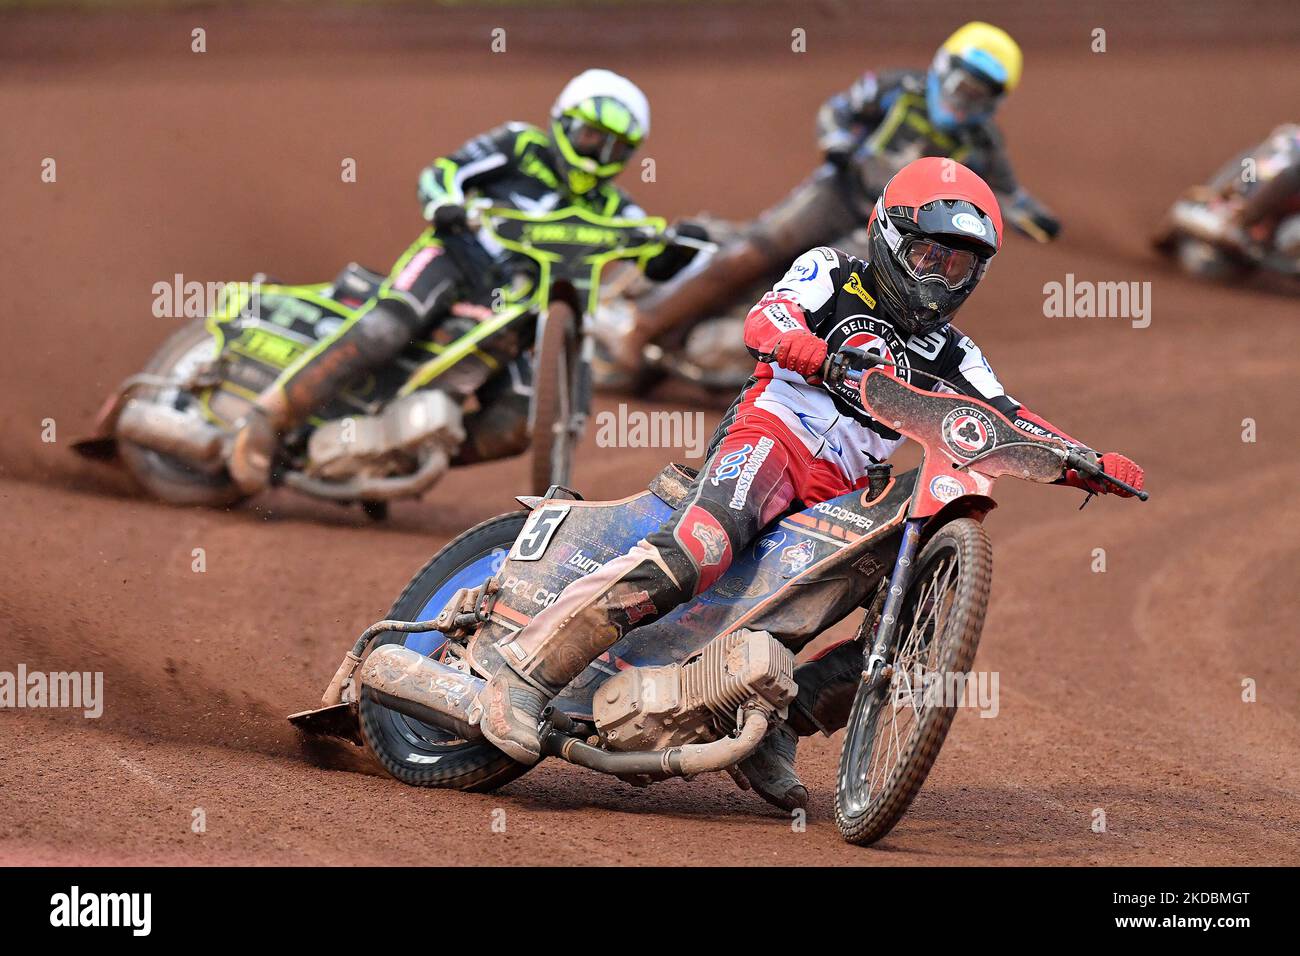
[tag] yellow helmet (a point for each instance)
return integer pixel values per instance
(971, 72)
(995, 42)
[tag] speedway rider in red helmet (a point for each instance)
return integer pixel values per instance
(789, 441)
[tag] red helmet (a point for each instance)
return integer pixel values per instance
(932, 233)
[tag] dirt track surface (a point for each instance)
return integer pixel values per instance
(1120, 691)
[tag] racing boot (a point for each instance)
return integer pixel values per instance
(827, 686)
(588, 618)
(367, 342)
(770, 770)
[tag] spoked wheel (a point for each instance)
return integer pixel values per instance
(558, 387)
(415, 752)
(895, 731)
(166, 478)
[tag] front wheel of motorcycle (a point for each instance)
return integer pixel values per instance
(162, 476)
(415, 752)
(557, 388)
(895, 731)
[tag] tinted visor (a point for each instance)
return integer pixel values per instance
(964, 94)
(593, 142)
(927, 259)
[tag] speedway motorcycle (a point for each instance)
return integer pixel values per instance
(392, 434)
(696, 691)
(1190, 231)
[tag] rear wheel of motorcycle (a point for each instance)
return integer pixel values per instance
(410, 750)
(166, 478)
(894, 732)
(557, 376)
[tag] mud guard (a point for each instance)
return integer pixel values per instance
(967, 506)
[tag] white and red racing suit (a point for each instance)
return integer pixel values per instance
(832, 295)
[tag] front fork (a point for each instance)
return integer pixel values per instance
(900, 578)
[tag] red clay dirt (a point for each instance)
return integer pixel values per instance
(1120, 691)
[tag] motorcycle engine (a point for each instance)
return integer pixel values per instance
(697, 700)
(387, 443)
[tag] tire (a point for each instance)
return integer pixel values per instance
(556, 375)
(417, 753)
(942, 641)
(163, 477)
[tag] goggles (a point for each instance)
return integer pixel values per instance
(926, 259)
(597, 144)
(964, 94)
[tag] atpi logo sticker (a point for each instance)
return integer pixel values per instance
(968, 223)
(766, 545)
(946, 488)
(968, 431)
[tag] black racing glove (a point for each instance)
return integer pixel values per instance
(449, 219)
(1033, 220)
(1048, 224)
(675, 258)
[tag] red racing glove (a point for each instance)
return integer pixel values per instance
(1115, 465)
(802, 353)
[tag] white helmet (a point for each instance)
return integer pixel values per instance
(598, 121)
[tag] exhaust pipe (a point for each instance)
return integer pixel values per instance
(682, 761)
(379, 489)
(420, 687)
(169, 431)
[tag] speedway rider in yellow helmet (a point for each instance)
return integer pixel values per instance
(442, 285)
(887, 119)
(867, 133)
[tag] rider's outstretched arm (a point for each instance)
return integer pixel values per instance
(970, 372)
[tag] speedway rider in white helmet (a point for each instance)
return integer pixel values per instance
(598, 121)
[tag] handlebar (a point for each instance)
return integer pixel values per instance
(477, 205)
(1087, 465)
(839, 365)
(849, 363)
(672, 238)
